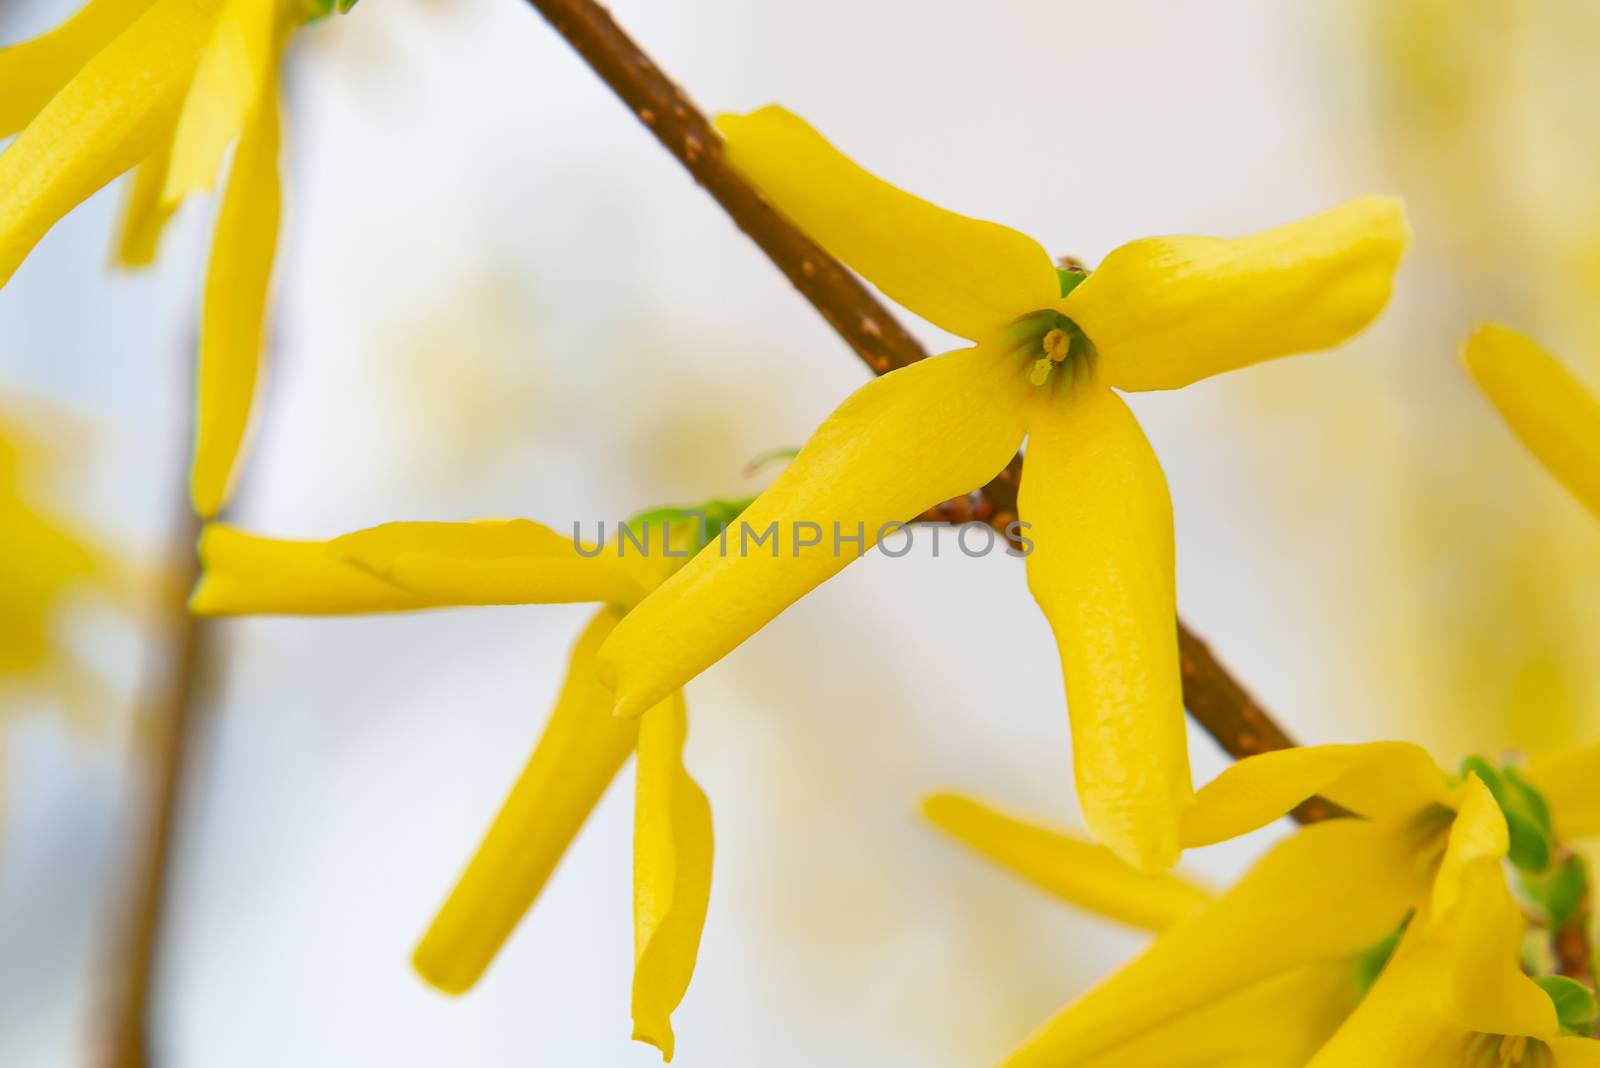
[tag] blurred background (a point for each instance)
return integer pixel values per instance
(498, 296)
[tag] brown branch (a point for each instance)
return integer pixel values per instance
(163, 746)
(1217, 702)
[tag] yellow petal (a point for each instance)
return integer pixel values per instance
(34, 71)
(968, 276)
(1397, 1025)
(116, 112)
(578, 755)
(1570, 782)
(247, 574)
(1457, 972)
(144, 216)
(671, 874)
(1073, 869)
(1102, 570)
(1484, 987)
(1381, 780)
(233, 317)
(1279, 1022)
(236, 72)
(1167, 311)
(1572, 1052)
(1556, 418)
(489, 561)
(1478, 836)
(896, 447)
(1328, 892)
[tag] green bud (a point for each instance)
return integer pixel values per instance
(1575, 1003)
(1560, 891)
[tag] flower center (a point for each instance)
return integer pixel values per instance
(1501, 1051)
(1054, 348)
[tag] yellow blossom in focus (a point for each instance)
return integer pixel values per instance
(408, 566)
(161, 87)
(1543, 404)
(1049, 349)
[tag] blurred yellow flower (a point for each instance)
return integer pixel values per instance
(1268, 972)
(1543, 404)
(42, 563)
(164, 86)
(1049, 348)
(406, 566)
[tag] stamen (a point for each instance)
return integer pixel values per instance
(1057, 344)
(1041, 371)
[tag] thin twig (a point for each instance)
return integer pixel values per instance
(163, 749)
(1217, 702)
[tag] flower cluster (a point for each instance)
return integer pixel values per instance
(1395, 935)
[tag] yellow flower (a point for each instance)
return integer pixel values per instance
(164, 86)
(1455, 992)
(408, 566)
(42, 563)
(1049, 347)
(1556, 418)
(1285, 945)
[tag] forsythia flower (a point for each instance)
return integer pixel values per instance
(41, 562)
(407, 566)
(1454, 993)
(1309, 914)
(1049, 348)
(164, 86)
(1556, 418)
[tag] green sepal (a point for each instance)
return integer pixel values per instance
(1070, 280)
(1575, 1003)
(1371, 961)
(1526, 812)
(760, 460)
(1560, 891)
(316, 9)
(707, 520)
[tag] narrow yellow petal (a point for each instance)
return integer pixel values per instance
(1328, 892)
(968, 276)
(236, 73)
(1556, 418)
(1478, 836)
(1381, 780)
(34, 71)
(578, 755)
(896, 447)
(247, 574)
(1484, 987)
(672, 847)
(144, 216)
(489, 561)
(1072, 868)
(1168, 311)
(1279, 1022)
(1570, 782)
(115, 112)
(234, 314)
(1101, 568)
